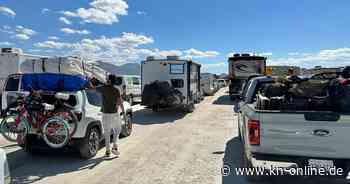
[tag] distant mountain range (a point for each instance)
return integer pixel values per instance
(126, 69)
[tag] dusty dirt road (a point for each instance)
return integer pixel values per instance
(165, 148)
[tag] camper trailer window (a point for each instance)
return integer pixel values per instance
(177, 83)
(177, 68)
(136, 81)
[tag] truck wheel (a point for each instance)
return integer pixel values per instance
(127, 127)
(90, 145)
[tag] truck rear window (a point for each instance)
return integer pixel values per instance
(12, 84)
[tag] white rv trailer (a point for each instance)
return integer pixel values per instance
(11, 60)
(183, 75)
(208, 85)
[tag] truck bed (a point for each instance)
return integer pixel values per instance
(321, 134)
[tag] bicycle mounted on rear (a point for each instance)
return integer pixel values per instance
(56, 123)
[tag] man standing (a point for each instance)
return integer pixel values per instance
(111, 100)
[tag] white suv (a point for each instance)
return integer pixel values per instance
(87, 105)
(4, 168)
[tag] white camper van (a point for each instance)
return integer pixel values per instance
(208, 84)
(11, 60)
(170, 82)
(130, 86)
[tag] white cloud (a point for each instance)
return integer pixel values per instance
(21, 37)
(265, 54)
(74, 31)
(26, 31)
(213, 66)
(101, 12)
(53, 38)
(165, 53)
(65, 20)
(18, 32)
(5, 44)
(45, 10)
(124, 48)
(293, 54)
(327, 58)
(53, 45)
(6, 29)
(141, 13)
(7, 11)
(194, 53)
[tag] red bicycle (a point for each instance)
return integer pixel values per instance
(55, 126)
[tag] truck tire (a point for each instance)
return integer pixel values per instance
(127, 127)
(90, 144)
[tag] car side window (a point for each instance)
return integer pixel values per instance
(94, 97)
(245, 90)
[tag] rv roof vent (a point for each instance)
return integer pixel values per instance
(11, 50)
(245, 55)
(236, 55)
(172, 58)
(150, 58)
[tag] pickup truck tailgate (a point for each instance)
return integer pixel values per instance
(316, 134)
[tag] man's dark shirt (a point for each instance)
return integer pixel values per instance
(110, 95)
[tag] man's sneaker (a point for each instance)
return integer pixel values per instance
(108, 153)
(115, 151)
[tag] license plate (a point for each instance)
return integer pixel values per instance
(315, 163)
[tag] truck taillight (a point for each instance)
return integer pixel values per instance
(254, 132)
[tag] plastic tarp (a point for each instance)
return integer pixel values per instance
(64, 65)
(53, 82)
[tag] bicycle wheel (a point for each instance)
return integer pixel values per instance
(72, 120)
(56, 132)
(11, 131)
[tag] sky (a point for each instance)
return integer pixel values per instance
(289, 32)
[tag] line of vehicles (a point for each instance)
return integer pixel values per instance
(276, 126)
(164, 83)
